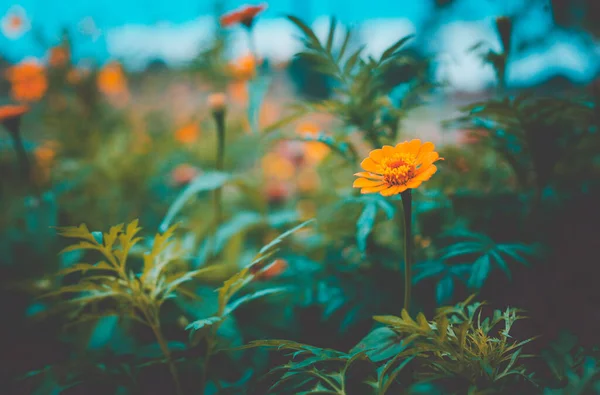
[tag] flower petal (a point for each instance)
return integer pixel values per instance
(369, 165)
(363, 182)
(427, 173)
(387, 150)
(366, 174)
(376, 155)
(373, 189)
(413, 146)
(415, 182)
(393, 190)
(427, 161)
(425, 149)
(401, 147)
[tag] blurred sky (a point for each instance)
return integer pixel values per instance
(137, 31)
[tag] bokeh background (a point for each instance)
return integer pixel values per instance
(117, 122)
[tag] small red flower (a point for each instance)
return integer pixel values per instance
(244, 15)
(274, 269)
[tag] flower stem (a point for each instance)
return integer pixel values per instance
(21, 155)
(407, 208)
(165, 350)
(218, 197)
(252, 47)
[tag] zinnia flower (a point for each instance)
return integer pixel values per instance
(392, 170)
(183, 174)
(28, 81)
(217, 102)
(244, 15)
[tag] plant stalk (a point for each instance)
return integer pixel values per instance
(220, 164)
(407, 209)
(24, 163)
(165, 350)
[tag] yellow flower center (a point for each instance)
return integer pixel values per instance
(398, 169)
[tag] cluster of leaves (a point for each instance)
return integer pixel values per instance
(362, 92)
(138, 296)
(542, 138)
(457, 347)
(470, 259)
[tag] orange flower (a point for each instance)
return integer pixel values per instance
(217, 101)
(10, 116)
(111, 81)
(244, 15)
(277, 267)
(277, 167)
(12, 111)
(58, 56)
(44, 155)
(183, 174)
(392, 170)
(315, 150)
(244, 67)
(28, 81)
(238, 91)
(188, 134)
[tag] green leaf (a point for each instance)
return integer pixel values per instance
(364, 225)
(282, 236)
(444, 290)
(199, 329)
(247, 298)
(388, 53)
(380, 344)
(204, 182)
(331, 35)
(479, 272)
(312, 37)
(257, 89)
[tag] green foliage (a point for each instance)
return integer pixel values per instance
(110, 286)
(470, 260)
(538, 137)
(458, 344)
(361, 99)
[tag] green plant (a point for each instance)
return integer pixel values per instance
(111, 287)
(458, 344)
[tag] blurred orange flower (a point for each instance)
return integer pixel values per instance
(15, 22)
(183, 174)
(274, 269)
(44, 158)
(243, 15)
(238, 91)
(277, 192)
(112, 81)
(392, 170)
(217, 101)
(308, 180)
(315, 150)
(28, 81)
(58, 56)
(12, 111)
(244, 67)
(188, 133)
(277, 167)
